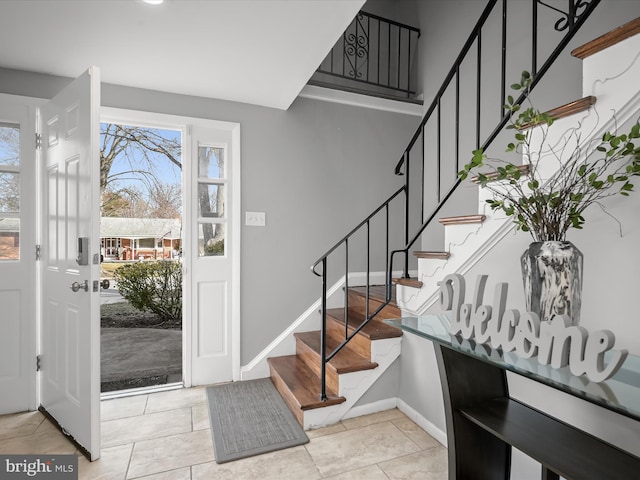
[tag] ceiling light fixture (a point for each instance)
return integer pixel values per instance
(153, 2)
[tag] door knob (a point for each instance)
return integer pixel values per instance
(75, 286)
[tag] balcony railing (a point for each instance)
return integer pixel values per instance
(376, 53)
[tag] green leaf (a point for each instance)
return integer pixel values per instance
(516, 86)
(576, 197)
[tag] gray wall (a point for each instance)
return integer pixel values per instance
(316, 170)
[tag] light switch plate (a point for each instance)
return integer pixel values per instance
(254, 219)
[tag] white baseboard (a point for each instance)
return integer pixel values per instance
(388, 404)
(425, 424)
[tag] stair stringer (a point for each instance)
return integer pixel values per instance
(355, 384)
(617, 90)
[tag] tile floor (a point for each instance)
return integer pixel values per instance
(166, 436)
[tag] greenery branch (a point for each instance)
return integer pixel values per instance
(588, 172)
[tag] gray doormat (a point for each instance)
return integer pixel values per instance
(249, 418)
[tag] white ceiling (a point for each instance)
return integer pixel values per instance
(254, 51)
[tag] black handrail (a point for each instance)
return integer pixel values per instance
(367, 53)
(578, 12)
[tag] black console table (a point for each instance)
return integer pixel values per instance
(483, 422)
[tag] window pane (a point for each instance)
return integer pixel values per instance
(9, 145)
(210, 200)
(9, 239)
(146, 243)
(9, 192)
(210, 162)
(210, 239)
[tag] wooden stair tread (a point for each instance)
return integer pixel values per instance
(303, 384)
(571, 108)
(462, 219)
(374, 330)
(408, 282)
(345, 361)
(434, 255)
(568, 109)
(616, 35)
(492, 176)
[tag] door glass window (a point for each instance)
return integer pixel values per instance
(211, 201)
(9, 192)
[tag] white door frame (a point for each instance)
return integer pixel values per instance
(175, 122)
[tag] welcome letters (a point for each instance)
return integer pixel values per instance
(555, 342)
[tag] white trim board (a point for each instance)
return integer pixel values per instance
(357, 100)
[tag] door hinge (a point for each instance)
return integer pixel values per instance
(38, 362)
(38, 141)
(37, 252)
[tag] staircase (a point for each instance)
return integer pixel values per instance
(355, 344)
(350, 372)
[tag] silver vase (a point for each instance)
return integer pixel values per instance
(552, 277)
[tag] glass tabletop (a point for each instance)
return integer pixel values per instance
(620, 393)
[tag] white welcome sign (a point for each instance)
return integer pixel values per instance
(555, 342)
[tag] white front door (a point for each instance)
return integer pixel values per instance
(17, 256)
(70, 330)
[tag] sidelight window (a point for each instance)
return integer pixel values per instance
(9, 192)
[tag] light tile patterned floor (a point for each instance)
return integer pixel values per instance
(166, 436)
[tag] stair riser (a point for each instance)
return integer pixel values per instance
(312, 359)
(359, 303)
(359, 343)
(287, 396)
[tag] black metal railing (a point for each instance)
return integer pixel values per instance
(376, 52)
(432, 141)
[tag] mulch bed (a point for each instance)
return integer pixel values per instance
(123, 315)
